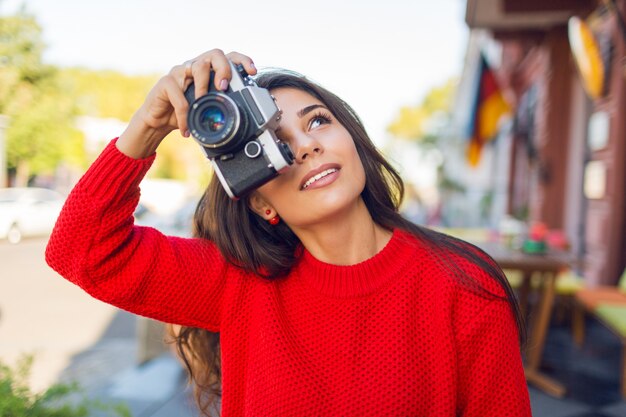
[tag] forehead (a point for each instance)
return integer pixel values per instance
(291, 100)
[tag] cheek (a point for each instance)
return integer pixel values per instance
(275, 192)
(356, 168)
(282, 193)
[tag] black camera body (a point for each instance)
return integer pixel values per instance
(236, 130)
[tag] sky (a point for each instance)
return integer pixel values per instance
(376, 55)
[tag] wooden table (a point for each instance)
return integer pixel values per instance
(546, 267)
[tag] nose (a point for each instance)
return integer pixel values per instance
(305, 146)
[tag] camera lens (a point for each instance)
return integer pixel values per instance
(214, 120)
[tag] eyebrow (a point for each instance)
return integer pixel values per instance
(303, 112)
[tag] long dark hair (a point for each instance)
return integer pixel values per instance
(249, 242)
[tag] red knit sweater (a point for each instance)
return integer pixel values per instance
(395, 335)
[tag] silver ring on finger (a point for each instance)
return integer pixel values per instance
(188, 71)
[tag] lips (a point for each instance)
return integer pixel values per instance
(318, 173)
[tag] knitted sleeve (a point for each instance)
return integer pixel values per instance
(96, 246)
(491, 376)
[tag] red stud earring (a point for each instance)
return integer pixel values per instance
(274, 220)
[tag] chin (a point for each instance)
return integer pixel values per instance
(329, 206)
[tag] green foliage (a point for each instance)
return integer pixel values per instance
(112, 94)
(181, 159)
(42, 103)
(107, 93)
(21, 47)
(41, 132)
(20, 60)
(60, 400)
(411, 122)
(440, 98)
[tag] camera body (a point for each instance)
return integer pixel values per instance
(236, 130)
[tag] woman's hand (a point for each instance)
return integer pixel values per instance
(165, 107)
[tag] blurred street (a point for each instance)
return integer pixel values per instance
(76, 338)
(48, 317)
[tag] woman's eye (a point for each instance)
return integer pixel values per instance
(318, 120)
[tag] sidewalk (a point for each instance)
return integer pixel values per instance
(109, 371)
(590, 373)
(157, 388)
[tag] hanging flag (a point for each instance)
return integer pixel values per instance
(489, 107)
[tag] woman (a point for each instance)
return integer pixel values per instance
(327, 302)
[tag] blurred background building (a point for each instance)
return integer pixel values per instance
(559, 157)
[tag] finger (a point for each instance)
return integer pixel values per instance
(182, 74)
(223, 74)
(187, 65)
(213, 60)
(179, 103)
(244, 60)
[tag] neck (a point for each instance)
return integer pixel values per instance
(347, 238)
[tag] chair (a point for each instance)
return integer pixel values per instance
(607, 304)
(568, 283)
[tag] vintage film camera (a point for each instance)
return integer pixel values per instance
(236, 130)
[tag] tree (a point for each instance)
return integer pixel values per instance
(21, 48)
(108, 93)
(41, 131)
(59, 400)
(416, 122)
(42, 102)
(419, 133)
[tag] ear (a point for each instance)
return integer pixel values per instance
(260, 206)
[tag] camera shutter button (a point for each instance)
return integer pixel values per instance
(252, 149)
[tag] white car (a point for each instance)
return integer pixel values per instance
(28, 212)
(178, 223)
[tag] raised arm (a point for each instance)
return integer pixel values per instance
(95, 243)
(165, 107)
